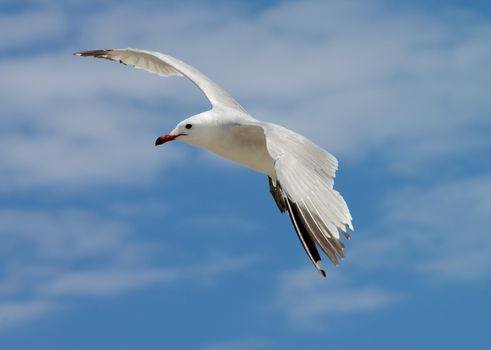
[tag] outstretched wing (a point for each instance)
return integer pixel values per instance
(165, 65)
(305, 173)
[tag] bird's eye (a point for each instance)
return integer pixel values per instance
(188, 126)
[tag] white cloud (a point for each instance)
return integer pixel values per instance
(217, 264)
(64, 123)
(107, 282)
(17, 29)
(309, 303)
(218, 222)
(74, 145)
(16, 312)
(62, 235)
(356, 77)
(364, 81)
(73, 252)
(439, 230)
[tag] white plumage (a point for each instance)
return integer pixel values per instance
(300, 172)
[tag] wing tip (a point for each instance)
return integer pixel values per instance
(344, 231)
(93, 53)
(320, 268)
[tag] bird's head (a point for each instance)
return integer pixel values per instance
(196, 130)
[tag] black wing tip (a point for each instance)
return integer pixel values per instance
(320, 268)
(93, 53)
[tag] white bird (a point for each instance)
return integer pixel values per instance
(300, 172)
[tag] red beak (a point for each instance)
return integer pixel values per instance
(165, 138)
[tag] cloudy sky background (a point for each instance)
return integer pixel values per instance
(109, 242)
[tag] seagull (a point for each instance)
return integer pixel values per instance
(300, 173)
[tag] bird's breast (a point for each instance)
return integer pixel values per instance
(245, 148)
(250, 156)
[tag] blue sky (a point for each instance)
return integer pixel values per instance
(109, 242)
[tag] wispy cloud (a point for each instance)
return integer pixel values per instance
(309, 303)
(16, 312)
(72, 252)
(107, 282)
(408, 88)
(439, 229)
(218, 222)
(399, 83)
(17, 29)
(67, 143)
